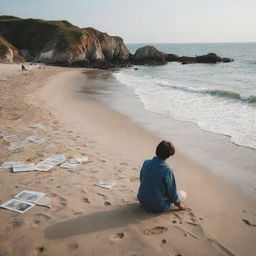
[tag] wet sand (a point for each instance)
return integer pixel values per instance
(84, 219)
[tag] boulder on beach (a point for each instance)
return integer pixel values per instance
(8, 53)
(149, 55)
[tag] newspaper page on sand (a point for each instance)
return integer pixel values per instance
(18, 144)
(10, 164)
(24, 167)
(10, 137)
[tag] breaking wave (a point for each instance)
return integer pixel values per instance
(219, 93)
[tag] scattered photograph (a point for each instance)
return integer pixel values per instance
(17, 205)
(106, 184)
(37, 126)
(30, 196)
(50, 162)
(36, 139)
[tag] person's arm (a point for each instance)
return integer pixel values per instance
(171, 190)
(141, 171)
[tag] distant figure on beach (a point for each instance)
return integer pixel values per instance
(157, 191)
(23, 68)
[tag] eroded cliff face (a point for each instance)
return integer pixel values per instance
(60, 42)
(112, 47)
(8, 53)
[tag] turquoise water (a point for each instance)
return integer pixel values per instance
(219, 98)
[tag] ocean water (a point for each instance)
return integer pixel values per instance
(219, 98)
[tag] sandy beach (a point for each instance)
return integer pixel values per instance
(84, 219)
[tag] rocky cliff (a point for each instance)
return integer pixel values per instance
(8, 53)
(113, 47)
(60, 42)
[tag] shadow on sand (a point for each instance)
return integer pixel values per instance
(98, 221)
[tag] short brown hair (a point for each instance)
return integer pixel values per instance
(165, 149)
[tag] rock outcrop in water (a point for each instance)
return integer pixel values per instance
(208, 58)
(148, 55)
(8, 53)
(60, 42)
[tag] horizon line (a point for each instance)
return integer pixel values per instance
(217, 42)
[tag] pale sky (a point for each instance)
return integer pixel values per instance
(149, 21)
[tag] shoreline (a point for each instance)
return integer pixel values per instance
(99, 115)
(203, 147)
(89, 219)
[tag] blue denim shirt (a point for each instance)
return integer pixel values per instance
(157, 186)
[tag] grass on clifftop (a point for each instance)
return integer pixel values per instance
(37, 35)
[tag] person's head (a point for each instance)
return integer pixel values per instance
(165, 149)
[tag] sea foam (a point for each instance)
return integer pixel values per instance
(216, 110)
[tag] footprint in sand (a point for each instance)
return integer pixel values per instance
(77, 213)
(118, 236)
(38, 219)
(86, 200)
(155, 231)
(107, 203)
(164, 241)
(40, 251)
(104, 196)
(247, 222)
(134, 178)
(58, 202)
(13, 224)
(72, 246)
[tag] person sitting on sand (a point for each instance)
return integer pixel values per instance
(157, 189)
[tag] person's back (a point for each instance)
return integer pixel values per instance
(157, 189)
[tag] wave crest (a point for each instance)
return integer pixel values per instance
(219, 93)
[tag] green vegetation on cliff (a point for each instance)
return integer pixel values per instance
(37, 35)
(60, 42)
